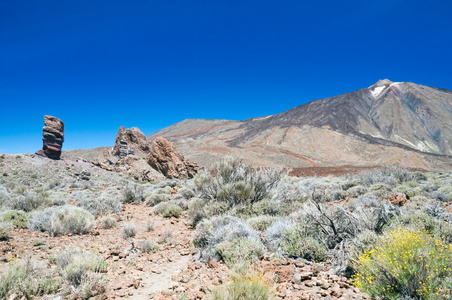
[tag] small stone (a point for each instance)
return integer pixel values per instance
(303, 276)
(13, 296)
(299, 264)
(310, 283)
(212, 264)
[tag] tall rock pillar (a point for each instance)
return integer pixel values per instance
(52, 138)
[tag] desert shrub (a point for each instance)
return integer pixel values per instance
(356, 191)
(363, 201)
(211, 232)
(389, 176)
(243, 287)
(261, 223)
(239, 251)
(419, 221)
(288, 190)
(4, 197)
(149, 246)
(74, 220)
(276, 230)
(167, 238)
(128, 230)
(363, 242)
(107, 222)
(168, 210)
(440, 196)
(186, 193)
(133, 193)
(265, 207)
(75, 265)
(101, 206)
(406, 263)
(30, 200)
(26, 279)
(154, 199)
(5, 230)
(418, 176)
(298, 241)
(62, 220)
(164, 190)
(18, 218)
(236, 182)
(41, 220)
(197, 210)
(150, 225)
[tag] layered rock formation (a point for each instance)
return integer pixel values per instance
(53, 138)
(165, 159)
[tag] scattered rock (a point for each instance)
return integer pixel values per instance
(398, 199)
(53, 138)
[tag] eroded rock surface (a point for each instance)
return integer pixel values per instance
(53, 138)
(128, 155)
(128, 141)
(165, 159)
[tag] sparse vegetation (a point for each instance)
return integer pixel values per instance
(27, 278)
(240, 216)
(129, 230)
(168, 210)
(107, 222)
(409, 263)
(243, 287)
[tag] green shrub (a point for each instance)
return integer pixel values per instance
(420, 221)
(242, 287)
(154, 199)
(261, 223)
(186, 193)
(75, 265)
(168, 210)
(236, 182)
(18, 218)
(409, 263)
(5, 230)
(25, 279)
(239, 251)
(361, 243)
(298, 241)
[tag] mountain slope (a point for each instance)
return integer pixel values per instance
(387, 123)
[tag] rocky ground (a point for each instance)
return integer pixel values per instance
(172, 272)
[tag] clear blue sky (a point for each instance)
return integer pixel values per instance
(100, 64)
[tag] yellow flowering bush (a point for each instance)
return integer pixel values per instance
(406, 263)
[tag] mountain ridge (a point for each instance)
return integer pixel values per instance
(385, 123)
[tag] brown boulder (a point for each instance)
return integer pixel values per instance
(53, 138)
(128, 141)
(398, 200)
(165, 159)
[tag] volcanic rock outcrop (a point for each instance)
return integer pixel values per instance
(128, 141)
(165, 159)
(128, 155)
(53, 138)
